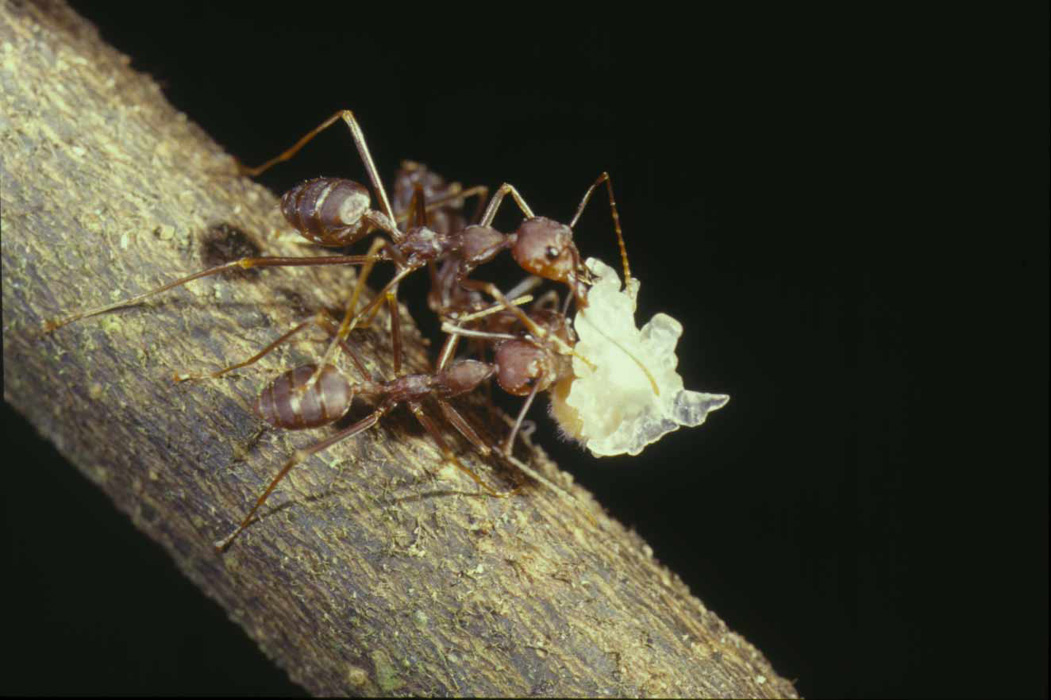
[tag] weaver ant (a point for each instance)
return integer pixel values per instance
(288, 402)
(336, 212)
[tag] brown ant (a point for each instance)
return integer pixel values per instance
(288, 402)
(541, 246)
(336, 212)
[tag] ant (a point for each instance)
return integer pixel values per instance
(540, 246)
(335, 212)
(287, 402)
(291, 402)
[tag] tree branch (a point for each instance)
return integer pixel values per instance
(381, 573)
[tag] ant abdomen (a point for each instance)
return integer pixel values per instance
(283, 403)
(329, 211)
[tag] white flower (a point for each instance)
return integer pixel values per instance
(627, 393)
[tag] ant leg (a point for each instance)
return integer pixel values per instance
(483, 192)
(436, 434)
(527, 285)
(395, 329)
(417, 214)
(498, 198)
(464, 427)
(320, 320)
(448, 349)
(330, 326)
(418, 217)
(469, 333)
(509, 444)
(480, 191)
(455, 332)
(359, 140)
(538, 332)
(299, 455)
(251, 360)
(604, 177)
(351, 317)
(287, 155)
(482, 313)
(457, 420)
(242, 264)
(359, 284)
(549, 301)
(350, 322)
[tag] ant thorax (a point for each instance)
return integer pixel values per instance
(624, 392)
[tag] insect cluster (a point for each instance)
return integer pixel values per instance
(612, 385)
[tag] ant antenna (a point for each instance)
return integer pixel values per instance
(604, 177)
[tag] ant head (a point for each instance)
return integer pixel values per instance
(520, 364)
(465, 375)
(545, 248)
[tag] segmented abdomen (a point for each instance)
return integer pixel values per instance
(283, 403)
(327, 210)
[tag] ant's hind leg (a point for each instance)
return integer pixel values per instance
(179, 377)
(242, 264)
(288, 154)
(299, 455)
(322, 320)
(458, 421)
(359, 140)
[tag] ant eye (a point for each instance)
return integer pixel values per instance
(552, 252)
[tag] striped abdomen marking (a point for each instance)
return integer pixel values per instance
(329, 211)
(283, 403)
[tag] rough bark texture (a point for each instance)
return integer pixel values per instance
(371, 576)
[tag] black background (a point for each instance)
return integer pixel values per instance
(847, 210)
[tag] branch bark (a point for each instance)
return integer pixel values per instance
(373, 577)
